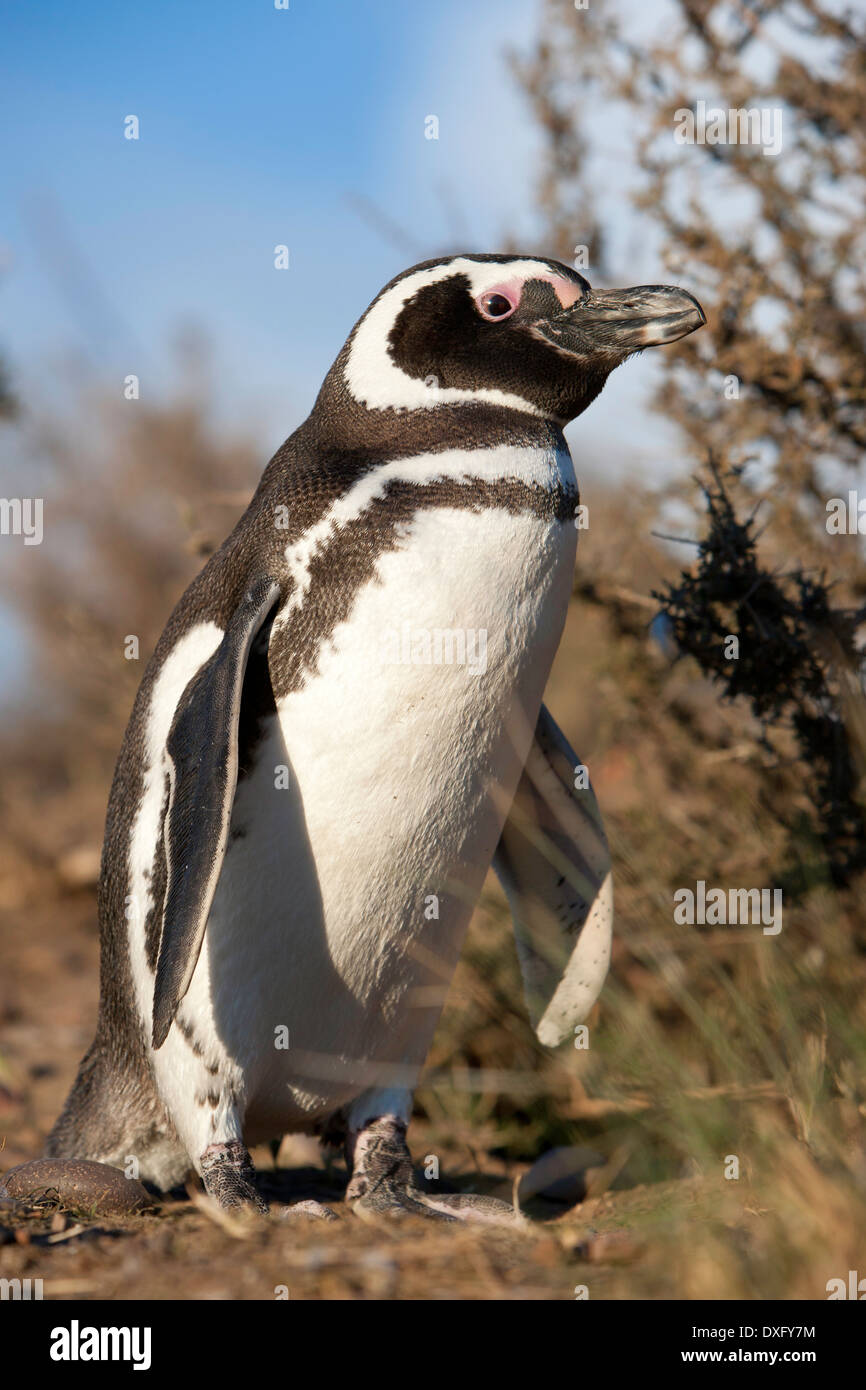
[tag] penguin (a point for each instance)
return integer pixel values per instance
(341, 729)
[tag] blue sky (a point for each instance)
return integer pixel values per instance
(258, 127)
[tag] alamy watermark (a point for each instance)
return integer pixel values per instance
(77, 1343)
(437, 646)
(740, 125)
(854, 1287)
(22, 516)
(846, 516)
(719, 907)
(20, 1290)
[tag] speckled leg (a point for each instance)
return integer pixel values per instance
(229, 1176)
(383, 1180)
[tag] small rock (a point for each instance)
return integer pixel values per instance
(78, 1184)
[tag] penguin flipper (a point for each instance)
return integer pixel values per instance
(553, 863)
(202, 763)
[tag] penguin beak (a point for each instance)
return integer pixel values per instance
(618, 322)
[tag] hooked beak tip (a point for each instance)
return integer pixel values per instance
(667, 315)
(620, 322)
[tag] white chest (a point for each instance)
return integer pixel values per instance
(362, 836)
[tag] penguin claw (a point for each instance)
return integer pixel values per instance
(391, 1200)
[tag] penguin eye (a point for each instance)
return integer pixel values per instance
(494, 305)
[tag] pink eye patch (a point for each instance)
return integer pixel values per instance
(501, 300)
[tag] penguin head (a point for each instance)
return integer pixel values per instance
(518, 331)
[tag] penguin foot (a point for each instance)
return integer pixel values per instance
(383, 1180)
(229, 1176)
(384, 1183)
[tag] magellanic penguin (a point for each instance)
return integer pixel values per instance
(339, 731)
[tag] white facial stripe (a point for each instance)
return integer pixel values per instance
(545, 467)
(371, 373)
